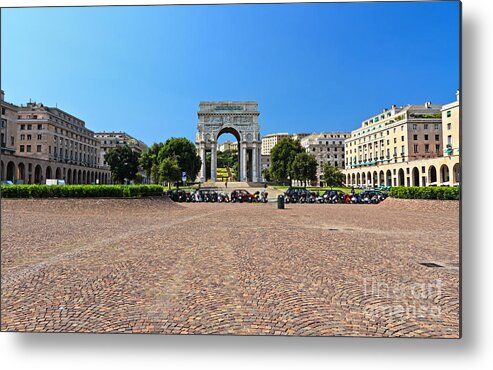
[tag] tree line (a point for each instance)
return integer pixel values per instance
(165, 162)
(162, 162)
(289, 161)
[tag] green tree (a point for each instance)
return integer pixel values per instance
(149, 158)
(281, 156)
(155, 173)
(183, 150)
(169, 171)
(333, 176)
(123, 162)
(303, 168)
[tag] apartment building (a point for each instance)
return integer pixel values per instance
(108, 140)
(326, 147)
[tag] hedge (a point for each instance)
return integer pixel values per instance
(80, 191)
(428, 192)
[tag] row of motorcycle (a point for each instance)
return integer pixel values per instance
(303, 195)
(215, 196)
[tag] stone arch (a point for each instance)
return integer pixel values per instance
(21, 172)
(69, 176)
(444, 174)
(79, 177)
(58, 173)
(238, 118)
(358, 179)
(389, 178)
(375, 179)
(456, 173)
(38, 174)
(415, 176)
(2, 171)
(400, 178)
(363, 179)
(84, 179)
(381, 176)
(432, 175)
(49, 173)
(10, 175)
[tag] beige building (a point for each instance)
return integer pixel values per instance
(326, 147)
(108, 140)
(49, 144)
(405, 147)
(231, 146)
(451, 127)
(8, 128)
(269, 141)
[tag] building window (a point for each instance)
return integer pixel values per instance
(426, 137)
(40, 137)
(402, 138)
(23, 137)
(425, 126)
(427, 148)
(437, 126)
(29, 137)
(29, 127)
(415, 126)
(23, 127)
(12, 141)
(437, 148)
(40, 127)
(449, 113)
(415, 137)
(449, 126)
(437, 137)
(22, 148)
(449, 140)
(395, 140)
(28, 148)
(38, 148)
(415, 148)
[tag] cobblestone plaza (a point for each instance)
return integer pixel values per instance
(151, 266)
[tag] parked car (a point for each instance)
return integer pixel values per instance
(178, 195)
(334, 196)
(8, 182)
(241, 195)
(297, 194)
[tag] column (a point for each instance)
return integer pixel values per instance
(213, 162)
(243, 162)
(203, 170)
(254, 163)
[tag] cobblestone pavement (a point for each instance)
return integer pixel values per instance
(150, 266)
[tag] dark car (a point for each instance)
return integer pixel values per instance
(297, 194)
(205, 195)
(178, 195)
(241, 196)
(334, 196)
(372, 196)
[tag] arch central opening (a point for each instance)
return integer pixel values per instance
(227, 157)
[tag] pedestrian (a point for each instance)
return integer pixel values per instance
(226, 184)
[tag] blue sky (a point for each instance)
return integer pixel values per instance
(311, 67)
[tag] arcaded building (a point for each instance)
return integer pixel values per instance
(49, 143)
(416, 145)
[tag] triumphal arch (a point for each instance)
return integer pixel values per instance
(239, 118)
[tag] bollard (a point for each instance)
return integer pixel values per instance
(280, 202)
